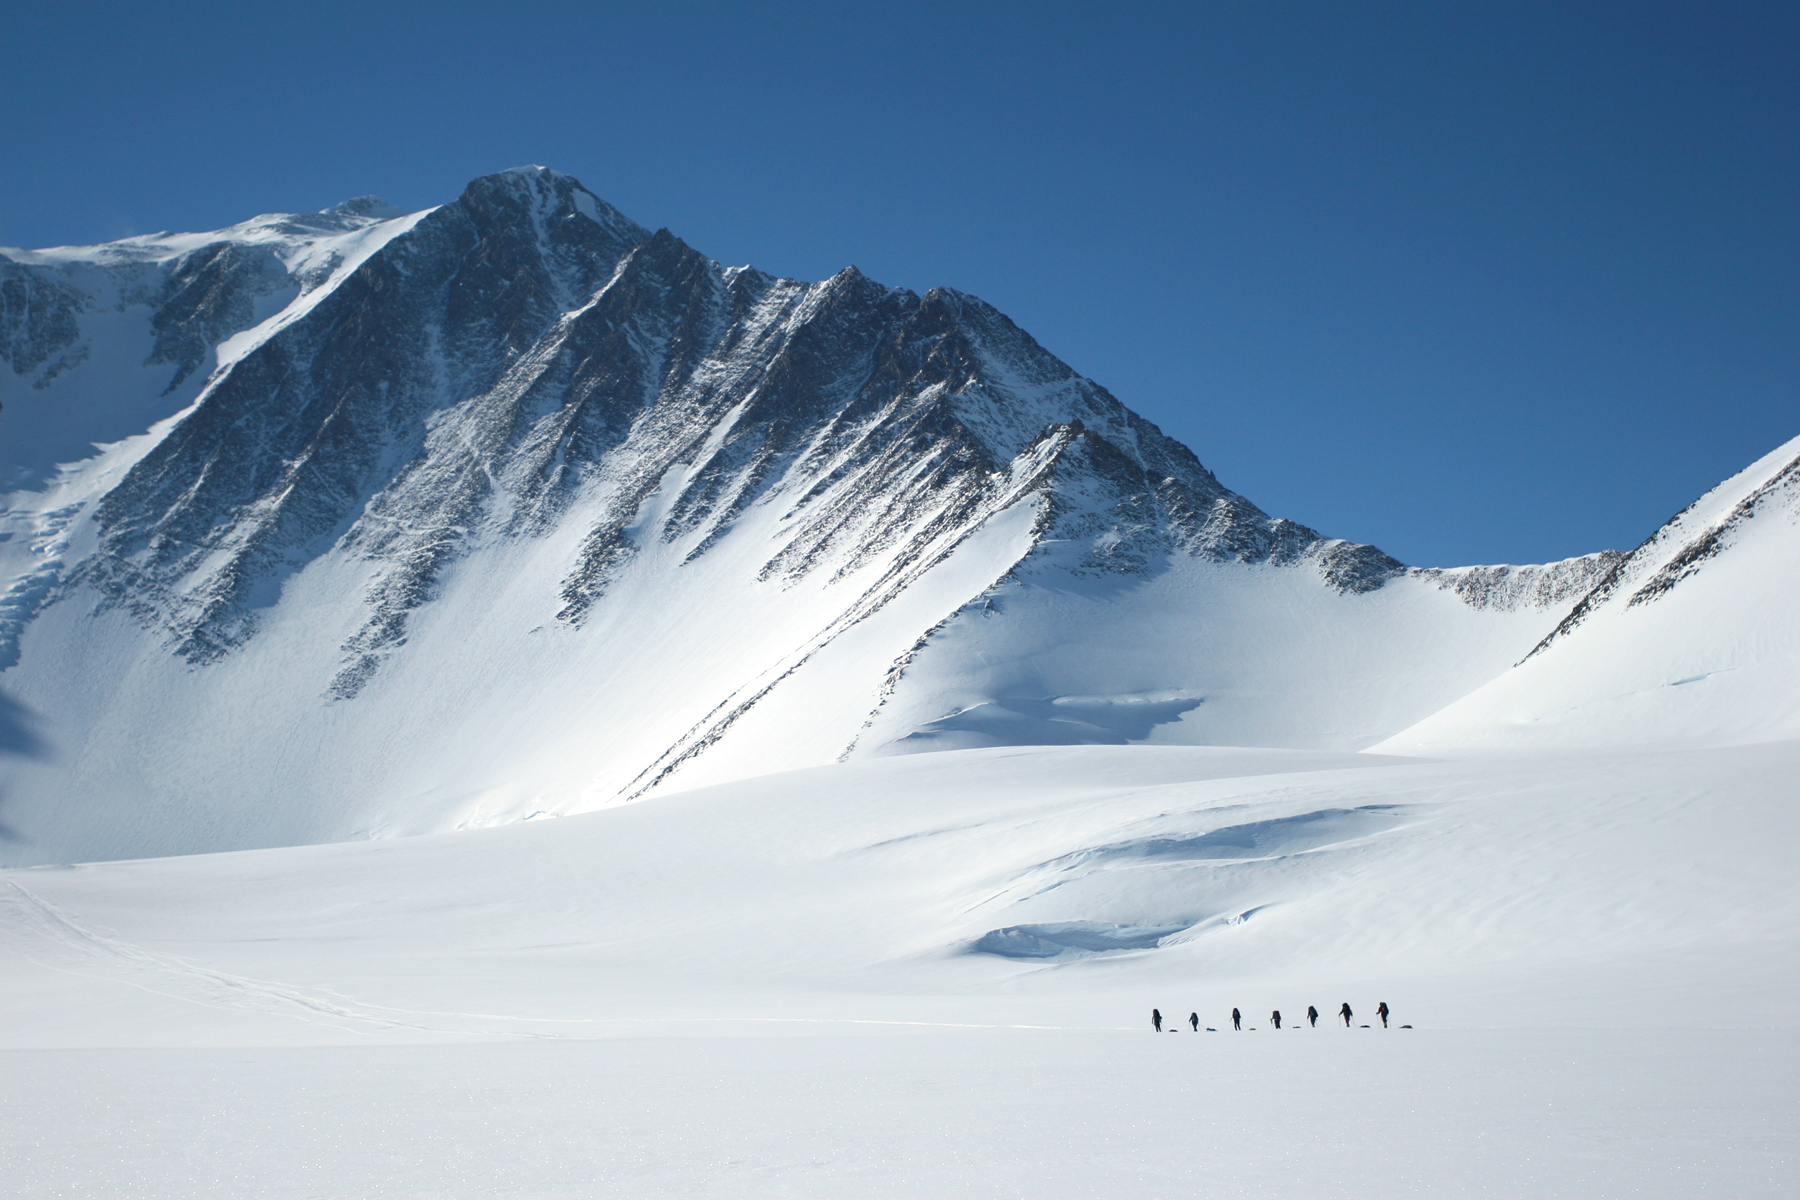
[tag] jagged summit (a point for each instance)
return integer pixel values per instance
(516, 476)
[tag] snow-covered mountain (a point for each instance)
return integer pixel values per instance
(408, 522)
(404, 523)
(1692, 639)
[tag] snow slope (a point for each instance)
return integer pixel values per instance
(512, 507)
(1034, 885)
(690, 996)
(1692, 639)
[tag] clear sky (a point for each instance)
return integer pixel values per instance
(1476, 282)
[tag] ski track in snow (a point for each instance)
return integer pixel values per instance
(37, 919)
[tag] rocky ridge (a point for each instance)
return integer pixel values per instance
(1682, 546)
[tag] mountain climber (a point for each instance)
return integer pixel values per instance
(1345, 1013)
(1237, 1019)
(1156, 1019)
(1312, 1016)
(1381, 1010)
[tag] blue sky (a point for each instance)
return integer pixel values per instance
(1476, 282)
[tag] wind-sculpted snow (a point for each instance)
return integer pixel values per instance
(1178, 883)
(1063, 721)
(1060, 939)
(1258, 839)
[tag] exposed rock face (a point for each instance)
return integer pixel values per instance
(1510, 588)
(39, 331)
(210, 294)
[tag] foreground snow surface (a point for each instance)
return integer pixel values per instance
(996, 1113)
(931, 976)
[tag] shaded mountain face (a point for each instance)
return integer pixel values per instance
(521, 451)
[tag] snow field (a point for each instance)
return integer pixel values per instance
(765, 988)
(1474, 1113)
(773, 987)
(1626, 888)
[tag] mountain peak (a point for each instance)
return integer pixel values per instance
(536, 178)
(537, 171)
(364, 206)
(550, 195)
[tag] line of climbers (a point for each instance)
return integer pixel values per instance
(1312, 1018)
